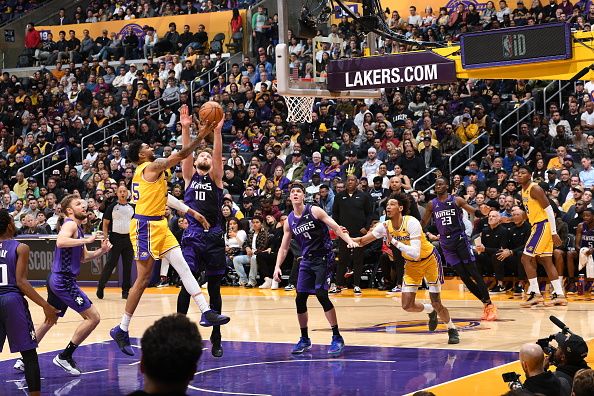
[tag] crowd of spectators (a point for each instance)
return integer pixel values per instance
(372, 147)
(14, 9)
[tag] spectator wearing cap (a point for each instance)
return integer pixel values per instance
(370, 167)
(315, 166)
(574, 195)
(511, 159)
(451, 142)
(430, 153)
(587, 174)
(570, 356)
(271, 163)
(329, 150)
(33, 186)
(473, 166)
(296, 168)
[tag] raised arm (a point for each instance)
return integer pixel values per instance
(185, 120)
(25, 287)
(160, 165)
(216, 170)
(321, 215)
(282, 251)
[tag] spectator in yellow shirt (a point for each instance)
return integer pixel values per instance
(556, 163)
(21, 185)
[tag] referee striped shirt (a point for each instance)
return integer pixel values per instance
(119, 217)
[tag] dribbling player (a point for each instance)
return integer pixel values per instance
(541, 241)
(204, 247)
(62, 290)
(421, 261)
(446, 211)
(150, 235)
(308, 226)
(15, 318)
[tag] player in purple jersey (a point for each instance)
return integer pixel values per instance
(203, 246)
(446, 212)
(62, 290)
(584, 247)
(308, 226)
(15, 318)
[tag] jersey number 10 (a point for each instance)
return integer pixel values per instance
(200, 196)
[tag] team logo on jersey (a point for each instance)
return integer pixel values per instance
(33, 336)
(79, 300)
(143, 255)
(530, 248)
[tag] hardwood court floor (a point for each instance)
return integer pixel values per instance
(388, 350)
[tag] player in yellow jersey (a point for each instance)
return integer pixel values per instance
(541, 242)
(149, 233)
(421, 261)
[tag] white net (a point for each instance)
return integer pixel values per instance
(300, 108)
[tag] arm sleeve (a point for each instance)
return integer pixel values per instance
(414, 231)
(176, 204)
(379, 231)
(551, 218)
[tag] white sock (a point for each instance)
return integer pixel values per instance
(533, 286)
(427, 308)
(451, 324)
(557, 286)
(177, 260)
(125, 322)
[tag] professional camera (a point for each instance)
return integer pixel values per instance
(545, 343)
(513, 380)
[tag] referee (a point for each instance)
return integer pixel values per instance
(116, 224)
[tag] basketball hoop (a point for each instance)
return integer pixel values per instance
(300, 108)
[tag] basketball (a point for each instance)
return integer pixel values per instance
(211, 112)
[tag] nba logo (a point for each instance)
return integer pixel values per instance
(507, 42)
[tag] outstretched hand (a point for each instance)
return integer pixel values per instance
(205, 129)
(185, 118)
(51, 314)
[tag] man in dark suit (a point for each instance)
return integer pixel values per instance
(61, 18)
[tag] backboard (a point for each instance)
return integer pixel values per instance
(304, 73)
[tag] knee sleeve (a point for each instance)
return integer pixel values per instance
(301, 302)
(32, 374)
(179, 263)
(322, 296)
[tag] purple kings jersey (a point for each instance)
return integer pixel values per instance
(8, 262)
(447, 217)
(67, 260)
(587, 236)
(205, 197)
(310, 233)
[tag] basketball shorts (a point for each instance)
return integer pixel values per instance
(205, 251)
(315, 272)
(63, 292)
(540, 241)
(16, 323)
(151, 237)
(456, 249)
(428, 268)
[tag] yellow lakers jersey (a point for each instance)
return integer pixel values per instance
(402, 234)
(534, 211)
(150, 197)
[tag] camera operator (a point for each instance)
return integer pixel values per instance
(539, 380)
(570, 356)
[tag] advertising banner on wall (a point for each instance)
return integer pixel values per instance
(390, 71)
(215, 22)
(42, 257)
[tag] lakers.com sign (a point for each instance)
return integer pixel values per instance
(390, 71)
